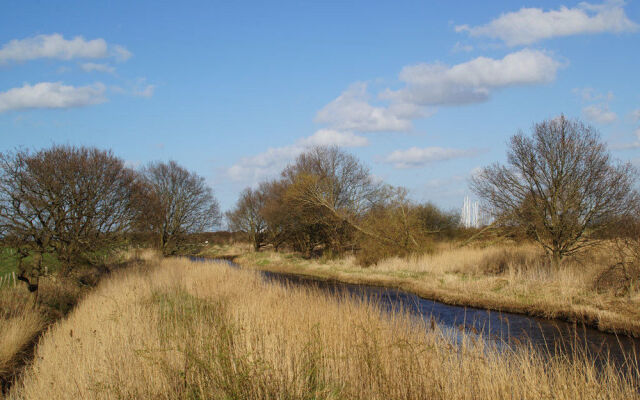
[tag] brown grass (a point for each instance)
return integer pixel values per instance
(196, 330)
(19, 327)
(507, 277)
(21, 323)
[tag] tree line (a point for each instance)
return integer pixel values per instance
(560, 187)
(76, 203)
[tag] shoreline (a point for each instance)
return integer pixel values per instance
(449, 297)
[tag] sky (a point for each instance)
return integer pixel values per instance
(425, 93)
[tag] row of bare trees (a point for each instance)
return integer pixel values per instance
(76, 203)
(560, 187)
(328, 201)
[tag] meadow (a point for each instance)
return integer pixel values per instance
(173, 328)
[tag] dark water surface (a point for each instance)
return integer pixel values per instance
(504, 329)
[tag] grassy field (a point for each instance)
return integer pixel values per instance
(9, 262)
(507, 277)
(202, 330)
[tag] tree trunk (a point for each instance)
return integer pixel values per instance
(556, 258)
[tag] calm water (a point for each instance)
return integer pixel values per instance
(504, 329)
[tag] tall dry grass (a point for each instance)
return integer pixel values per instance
(196, 330)
(507, 277)
(20, 325)
(22, 320)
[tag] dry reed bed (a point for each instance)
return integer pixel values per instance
(203, 330)
(509, 278)
(20, 325)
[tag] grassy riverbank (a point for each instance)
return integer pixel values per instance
(507, 277)
(22, 321)
(202, 330)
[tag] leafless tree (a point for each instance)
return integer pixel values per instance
(247, 216)
(333, 186)
(64, 200)
(560, 184)
(178, 202)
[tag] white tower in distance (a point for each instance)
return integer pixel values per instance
(470, 215)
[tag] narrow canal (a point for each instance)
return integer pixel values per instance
(506, 330)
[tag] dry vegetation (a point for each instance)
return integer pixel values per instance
(506, 277)
(203, 330)
(22, 321)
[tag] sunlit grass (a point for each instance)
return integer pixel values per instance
(506, 277)
(203, 330)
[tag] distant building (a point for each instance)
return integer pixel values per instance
(472, 216)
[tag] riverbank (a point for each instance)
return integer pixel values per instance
(181, 329)
(507, 278)
(22, 322)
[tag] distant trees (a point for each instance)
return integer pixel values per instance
(78, 203)
(560, 184)
(66, 201)
(247, 216)
(326, 201)
(177, 202)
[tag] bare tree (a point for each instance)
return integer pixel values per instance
(178, 202)
(560, 184)
(64, 200)
(333, 188)
(247, 216)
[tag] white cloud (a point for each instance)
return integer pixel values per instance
(120, 53)
(530, 25)
(266, 164)
(460, 47)
(51, 95)
(590, 94)
(418, 157)
(635, 114)
(90, 67)
(57, 47)
(351, 111)
(145, 91)
(271, 162)
(330, 137)
(472, 81)
(599, 113)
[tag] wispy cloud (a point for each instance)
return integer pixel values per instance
(330, 137)
(590, 94)
(599, 113)
(144, 91)
(57, 47)
(51, 95)
(530, 25)
(418, 157)
(91, 67)
(472, 81)
(271, 162)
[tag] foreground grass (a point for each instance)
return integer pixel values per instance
(22, 320)
(203, 330)
(510, 278)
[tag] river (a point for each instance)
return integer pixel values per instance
(506, 330)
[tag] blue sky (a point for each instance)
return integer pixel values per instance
(424, 93)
